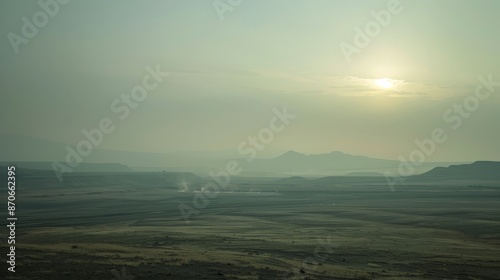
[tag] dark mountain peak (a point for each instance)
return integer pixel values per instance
(292, 154)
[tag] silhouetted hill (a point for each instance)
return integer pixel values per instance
(333, 163)
(293, 180)
(479, 170)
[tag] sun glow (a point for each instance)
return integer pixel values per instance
(385, 83)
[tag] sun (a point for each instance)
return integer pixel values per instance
(385, 83)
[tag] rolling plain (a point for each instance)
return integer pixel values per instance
(129, 226)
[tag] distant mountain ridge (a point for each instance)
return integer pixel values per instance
(35, 153)
(333, 163)
(479, 170)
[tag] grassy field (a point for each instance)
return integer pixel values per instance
(344, 228)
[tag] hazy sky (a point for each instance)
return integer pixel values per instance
(226, 76)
